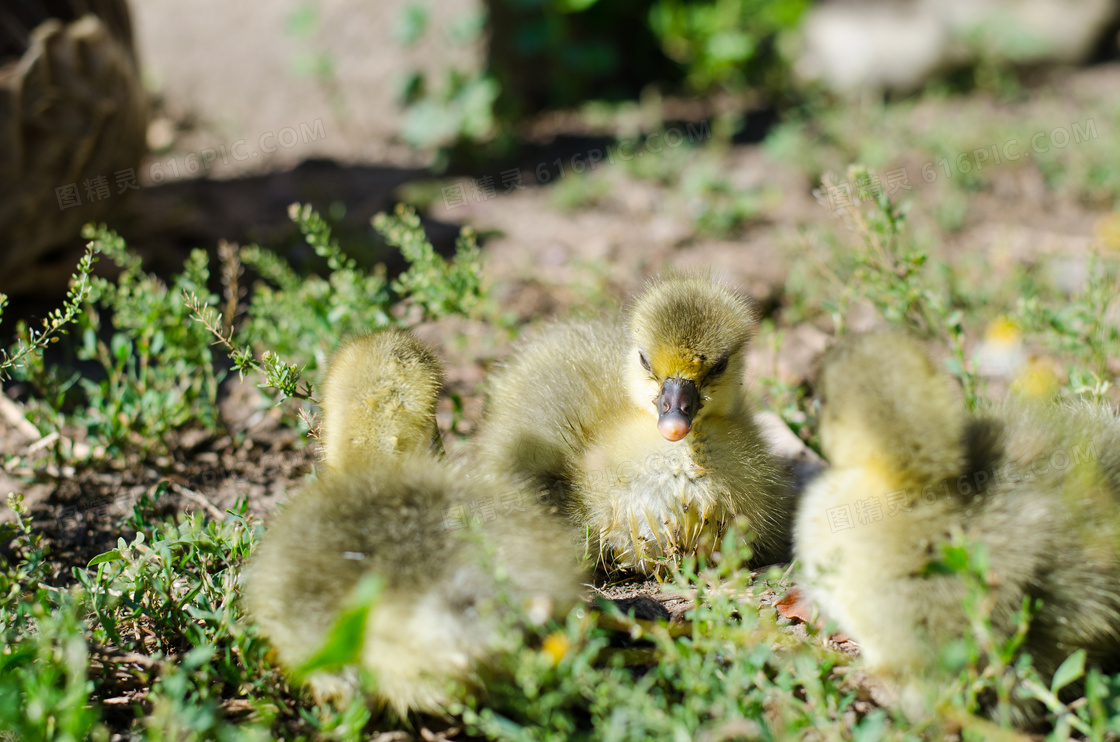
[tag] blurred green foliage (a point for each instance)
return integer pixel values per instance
(316, 58)
(455, 104)
(726, 44)
(557, 54)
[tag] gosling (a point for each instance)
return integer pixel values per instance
(379, 400)
(1034, 487)
(639, 429)
(456, 553)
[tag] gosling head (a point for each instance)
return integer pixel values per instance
(885, 404)
(686, 360)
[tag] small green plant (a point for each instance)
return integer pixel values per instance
(159, 370)
(457, 108)
(44, 668)
(726, 672)
(313, 61)
(1079, 328)
(155, 371)
(993, 674)
(197, 664)
(292, 321)
(22, 570)
(793, 403)
(436, 287)
(715, 206)
(893, 274)
(986, 659)
(583, 191)
(33, 340)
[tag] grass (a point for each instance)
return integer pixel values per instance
(142, 634)
(152, 628)
(688, 162)
(878, 260)
(955, 148)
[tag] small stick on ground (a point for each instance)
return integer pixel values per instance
(200, 499)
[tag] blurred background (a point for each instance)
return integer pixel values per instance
(589, 142)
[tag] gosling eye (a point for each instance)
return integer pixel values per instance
(717, 368)
(644, 360)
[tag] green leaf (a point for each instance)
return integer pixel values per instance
(198, 657)
(343, 645)
(411, 24)
(121, 347)
(109, 556)
(1072, 669)
(303, 21)
(573, 6)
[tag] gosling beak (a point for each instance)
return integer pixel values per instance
(676, 406)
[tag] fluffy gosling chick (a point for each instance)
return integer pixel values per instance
(448, 585)
(379, 400)
(639, 428)
(449, 579)
(1036, 487)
